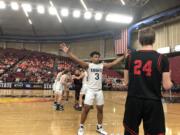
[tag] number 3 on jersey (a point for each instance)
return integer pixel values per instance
(139, 67)
(97, 76)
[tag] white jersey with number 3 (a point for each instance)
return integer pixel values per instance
(95, 76)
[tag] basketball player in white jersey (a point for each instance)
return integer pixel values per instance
(60, 86)
(84, 75)
(94, 92)
(66, 88)
(54, 86)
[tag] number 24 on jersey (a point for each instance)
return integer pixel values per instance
(139, 67)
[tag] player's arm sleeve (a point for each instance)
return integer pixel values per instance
(164, 64)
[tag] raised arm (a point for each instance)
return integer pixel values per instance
(113, 63)
(66, 50)
(126, 70)
(117, 61)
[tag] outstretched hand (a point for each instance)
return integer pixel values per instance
(64, 47)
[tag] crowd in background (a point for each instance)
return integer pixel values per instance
(37, 67)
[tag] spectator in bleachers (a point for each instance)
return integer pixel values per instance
(37, 67)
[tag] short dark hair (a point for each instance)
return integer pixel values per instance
(94, 53)
(146, 36)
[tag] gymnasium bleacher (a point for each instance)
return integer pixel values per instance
(32, 67)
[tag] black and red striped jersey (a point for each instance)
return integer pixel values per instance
(145, 68)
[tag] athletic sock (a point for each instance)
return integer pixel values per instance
(99, 125)
(81, 125)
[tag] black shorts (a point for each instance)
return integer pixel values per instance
(150, 111)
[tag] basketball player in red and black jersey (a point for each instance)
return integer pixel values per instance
(145, 72)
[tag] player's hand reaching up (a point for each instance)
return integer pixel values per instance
(126, 53)
(64, 47)
(66, 50)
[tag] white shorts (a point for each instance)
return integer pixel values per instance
(92, 95)
(58, 88)
(83, 89)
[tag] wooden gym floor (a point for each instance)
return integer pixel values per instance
(39, 118)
